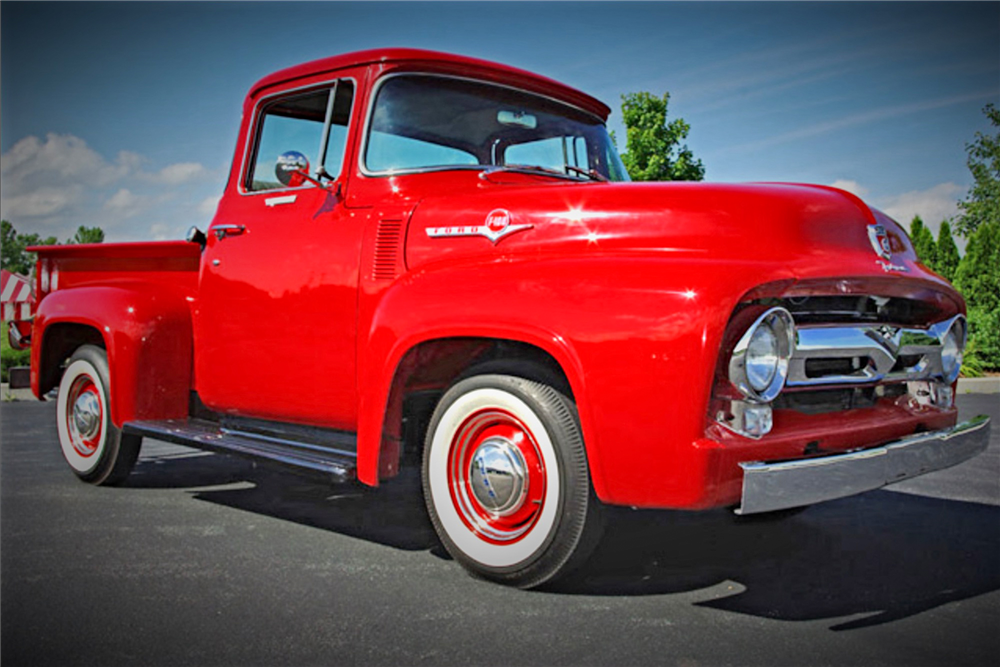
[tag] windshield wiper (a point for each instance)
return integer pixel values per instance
(592, 174)
(525, 169)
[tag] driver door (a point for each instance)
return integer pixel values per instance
(275, 322)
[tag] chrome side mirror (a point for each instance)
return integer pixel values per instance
(195, 235)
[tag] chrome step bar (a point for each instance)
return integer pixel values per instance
(335, 465)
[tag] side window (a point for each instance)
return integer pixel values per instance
(297, 123)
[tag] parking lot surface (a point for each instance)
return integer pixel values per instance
(204, 559)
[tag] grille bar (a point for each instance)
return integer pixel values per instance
(866, 355)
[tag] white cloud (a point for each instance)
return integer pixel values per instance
(52, 185)
(161, 232)
(181, 172)
(43, 201)
(853, 187)
(125, 204)
(33, 163)
(932, 205)
(208, 205)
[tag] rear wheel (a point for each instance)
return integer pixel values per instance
(506, 480)
(94, 447)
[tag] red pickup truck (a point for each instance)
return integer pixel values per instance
(429, 258)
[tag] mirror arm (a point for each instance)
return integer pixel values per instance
(333, 186)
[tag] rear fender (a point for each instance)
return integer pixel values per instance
(146, 331)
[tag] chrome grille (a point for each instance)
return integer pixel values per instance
(862, 355)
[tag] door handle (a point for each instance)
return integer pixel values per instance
(227, 230)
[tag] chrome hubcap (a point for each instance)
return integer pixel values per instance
(497, 476)
(87, 415)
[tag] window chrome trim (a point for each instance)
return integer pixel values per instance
(251, 140)
(373, 97)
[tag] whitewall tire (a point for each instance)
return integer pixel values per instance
(506, 480)
(95, 449)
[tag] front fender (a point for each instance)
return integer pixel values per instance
(146, 329)
(636, 336)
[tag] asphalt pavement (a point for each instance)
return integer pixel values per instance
(204, 559)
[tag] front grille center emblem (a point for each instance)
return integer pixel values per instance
(880, 241)
(496, 226)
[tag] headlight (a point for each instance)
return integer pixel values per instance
(952, 349)
(759, 364)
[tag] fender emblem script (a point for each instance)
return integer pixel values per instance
(496, 226)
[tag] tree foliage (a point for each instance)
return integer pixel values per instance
(16, 259)
(13, 255)
(923, 242)
(946, 256)
(654, 150)
(978, 278)
(87, 235)
(978, 275)
(982, 203)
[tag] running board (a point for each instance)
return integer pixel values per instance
(336, 465)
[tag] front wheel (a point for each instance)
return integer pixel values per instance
(506, 480)
(94, 447)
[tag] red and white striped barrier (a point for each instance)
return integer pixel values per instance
(15, 296)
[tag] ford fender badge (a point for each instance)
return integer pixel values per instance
(495, 227)
(880, 241)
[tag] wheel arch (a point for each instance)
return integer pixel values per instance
(431, 363)
(146, 333)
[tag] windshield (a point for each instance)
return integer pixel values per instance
(423, 122)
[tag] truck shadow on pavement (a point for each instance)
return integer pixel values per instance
(392, 514)
(882, 556)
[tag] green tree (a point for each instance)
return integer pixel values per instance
(978, 278)
(13, 255)
(946, 258)
(87, 235)
(9, 253)
(923, 241)
(654, 150)
(982, 203)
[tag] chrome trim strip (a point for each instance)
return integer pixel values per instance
(775, 486)
(14, 337)
(373, 97)
(878, 346)
(278, 201)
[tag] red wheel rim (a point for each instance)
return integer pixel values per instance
(85, 416)
(496, 476)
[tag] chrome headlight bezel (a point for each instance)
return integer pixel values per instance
(953, 348)
(758, 378)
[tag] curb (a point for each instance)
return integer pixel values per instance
(985, 385)
(8, 394)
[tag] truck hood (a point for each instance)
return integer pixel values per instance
(809, 230)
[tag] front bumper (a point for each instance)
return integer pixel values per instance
(775, 486)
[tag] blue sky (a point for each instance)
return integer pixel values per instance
(124, 115)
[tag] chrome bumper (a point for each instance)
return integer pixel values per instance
(775, 486)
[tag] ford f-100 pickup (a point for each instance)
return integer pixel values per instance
(448, 259)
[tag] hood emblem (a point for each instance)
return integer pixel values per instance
(880, 241)
(496, 226)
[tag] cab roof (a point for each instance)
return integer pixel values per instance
(438, 61)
